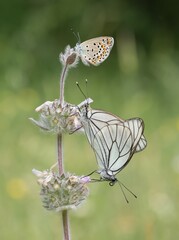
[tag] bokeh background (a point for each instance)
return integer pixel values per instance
(140, 78)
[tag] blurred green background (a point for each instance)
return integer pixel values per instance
(140, 78)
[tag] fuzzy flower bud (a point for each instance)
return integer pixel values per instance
(69, 58)
(64, 192)
(57, 119)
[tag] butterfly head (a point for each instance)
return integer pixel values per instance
(107, 175)
(84, 109)
(78, 49)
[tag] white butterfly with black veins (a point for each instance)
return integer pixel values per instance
(113, 140)
(94, 51)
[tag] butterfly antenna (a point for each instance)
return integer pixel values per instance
(86, 81)
(77, 35)
(80, 90)
(121, 184)
(123, 191)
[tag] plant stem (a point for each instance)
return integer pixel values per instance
(65, 225)
(60, 154)
(62, 83)
(65, 220)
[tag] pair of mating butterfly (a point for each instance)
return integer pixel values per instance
(113, 140)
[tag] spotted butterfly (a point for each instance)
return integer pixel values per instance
(94, 51)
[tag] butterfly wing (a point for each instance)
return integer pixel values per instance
(136, 125)
(95, 51)
(113, 145)
(141, 144)
(94, 120)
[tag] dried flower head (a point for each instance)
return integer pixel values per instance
(69, 58)
(61, 192)
(57, 119)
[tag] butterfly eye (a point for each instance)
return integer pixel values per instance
(112, 183)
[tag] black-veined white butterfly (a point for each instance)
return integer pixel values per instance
(113, 139)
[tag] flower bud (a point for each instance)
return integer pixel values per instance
(63, 192)
(57, 119)
(69, 58)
